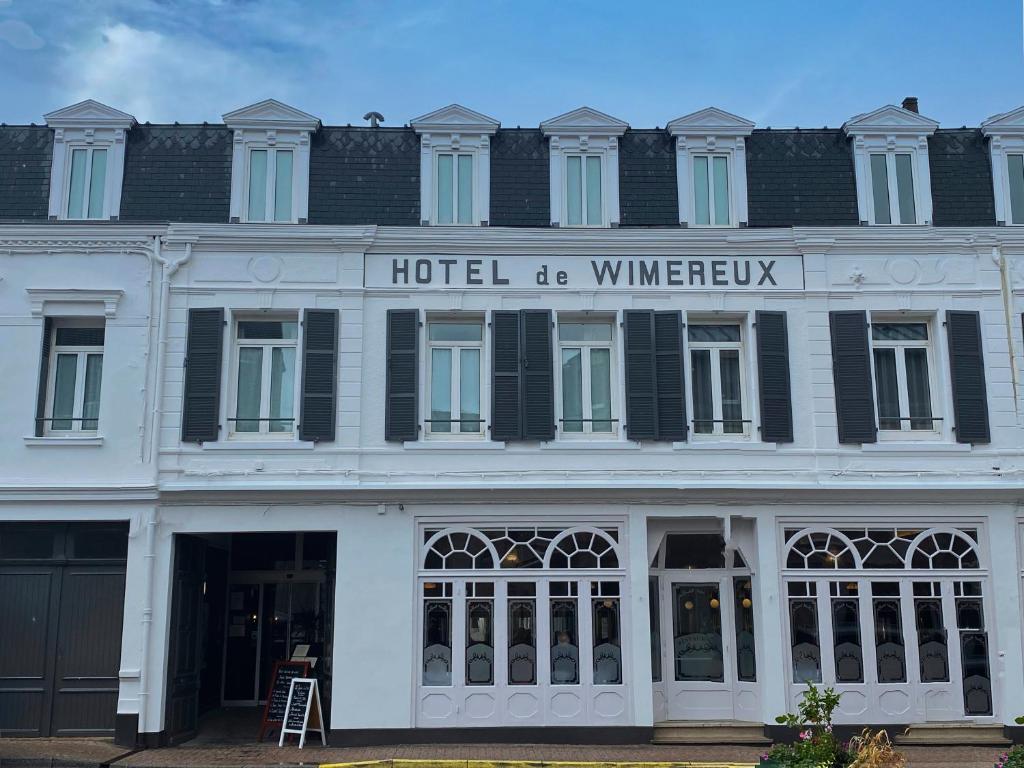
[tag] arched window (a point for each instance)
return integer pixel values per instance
(458, 549)
(821, 549)
(583, 548)
(936, 549)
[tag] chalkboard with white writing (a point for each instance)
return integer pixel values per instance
(277, 696)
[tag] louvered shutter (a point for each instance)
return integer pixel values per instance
(669, 380)
(641, 408)
(506, 360)
(967, 372)
(44, 372)
(537, 375)
(773, 377)
(200, 420)
(401, 417)
(851, 373)
(318, 411)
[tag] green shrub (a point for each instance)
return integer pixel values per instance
(816, 745)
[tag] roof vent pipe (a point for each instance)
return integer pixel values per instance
(910, 104)
(375, 118)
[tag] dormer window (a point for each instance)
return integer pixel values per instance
(270, 163)
(455, 166)
(1005, 133)
(88, 161)
(711, 168)
(890, 152)
(584, 168)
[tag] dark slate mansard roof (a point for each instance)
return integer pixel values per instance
(361, 175)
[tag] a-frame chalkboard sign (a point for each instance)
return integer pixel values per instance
(303, 712)
(277, 697)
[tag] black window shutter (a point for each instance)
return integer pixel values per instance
(967, 372)
(506, 389)
(851, 373)
(773, 377)
(401, 416)
(537, 375)
(200, 419)
(641, 398)
(44, 372)
(317, 415)
(669, 381)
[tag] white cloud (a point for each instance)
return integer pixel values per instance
(19, 35)
(162, 78)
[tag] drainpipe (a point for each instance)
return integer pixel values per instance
(168, 268)
(1006, 286)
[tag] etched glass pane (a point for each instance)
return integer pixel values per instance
(445, 189)
(607, 643)
(701, 191)
(437, 642)
(64, 392)
(441, 390)
(732, 398)
(479, 642)
(282, 389)
(522, 642)
(76, 187)
(880, 189)
(721, 170)
(887, 389)
(697, 632)
(465, 189)
(250, 375)
(97, 183)
(283, 185)
(1015, 166)
(601, 390)
(806, 650)
(889, 648)
(932, 642)
(574, 189)
(91, 398)
(258, 185)
(846, 633)
(572, 390)
(703, 405)
(469, 390)
(654, 607)
(594, 191)
(743, 601)
(565, 656)
(905, 189)
(919, 394)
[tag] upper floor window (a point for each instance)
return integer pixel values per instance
(454, 188)
(455, 360)
(87, 168)
(75, 374)
(903, 386)
(1005, 133)
(892, 188)
(716, 375)
(586, 363)
(270, 184)
(583, 146)
(265, 375)
(270, 162)
(1015, 181)
(711, 190)
(583, 191)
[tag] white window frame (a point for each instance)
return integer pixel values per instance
(746, 411)
(271, 183)
(1005, 133)
(263, 433)
(940, 428)
(1008, 212)
(588, 433)
(892, 185)
(711, 190)
(584, 224)
(82, 353)
(455, 394)
(66, 193)
(435, 218)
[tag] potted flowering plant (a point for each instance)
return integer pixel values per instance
(1015, 757)
(816, 746)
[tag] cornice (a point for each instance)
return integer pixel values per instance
(81, 240)
(270, 237)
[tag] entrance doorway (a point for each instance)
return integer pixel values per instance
(703, 644)
(894, 619)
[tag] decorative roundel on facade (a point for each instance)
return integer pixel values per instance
(899, 548)
(464, 548)
(265, 269)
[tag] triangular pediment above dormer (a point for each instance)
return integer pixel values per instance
(271, 113)
(1006, 123)
(89, 114)
(584, 121)
(710, 121)
(890, 119)
(454, 118)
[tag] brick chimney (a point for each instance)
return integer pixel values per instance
(910, 104)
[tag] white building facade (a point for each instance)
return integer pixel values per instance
(564, 433)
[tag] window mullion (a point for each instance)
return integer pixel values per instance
(87, 187)
(456, 386)
(894, 190)
(587, 393)
(266, 369)
(271, 212)
(78, 405)
(901, 387)
(716, 391)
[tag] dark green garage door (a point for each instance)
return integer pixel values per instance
(61, 605)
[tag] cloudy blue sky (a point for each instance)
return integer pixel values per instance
(778, 62)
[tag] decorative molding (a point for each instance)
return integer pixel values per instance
(1006, 137)
(90, 115)
(271, 114)
(41, 297)
(584, 121)
(455, 119)
(51, 244)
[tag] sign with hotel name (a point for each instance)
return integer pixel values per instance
(753, 273)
